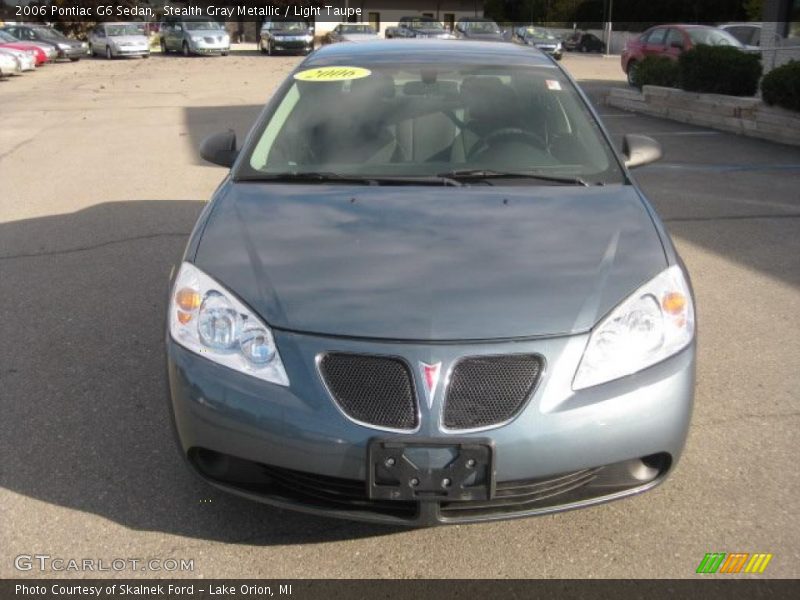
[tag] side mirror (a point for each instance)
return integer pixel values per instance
(220, 148)
(640, 150)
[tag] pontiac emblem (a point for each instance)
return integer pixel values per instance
(430, 378)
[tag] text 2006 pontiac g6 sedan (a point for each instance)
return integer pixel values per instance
(429, 292)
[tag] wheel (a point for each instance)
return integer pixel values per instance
(632, 68)
(91, 50)
(584, 49)
(186, 49)
(146, 55)
(74, 58)
(224, 53)
(261, 47)
(109, 54)
(164, 47)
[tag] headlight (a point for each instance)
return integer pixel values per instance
(308, 38)
(652, 324)
(226, 38)
(196, 38)
(63, 46)
(208, 320)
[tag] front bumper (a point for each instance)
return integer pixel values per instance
(292, 46)
(73, 52)
(131, 51)
(292, 447)
(209, 47)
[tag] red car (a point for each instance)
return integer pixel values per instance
(9, 41)
(671, 41)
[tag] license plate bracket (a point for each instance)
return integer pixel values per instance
(439, 470)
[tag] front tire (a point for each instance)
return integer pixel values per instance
(74, 58)
(186, 51)
(632, 68)
(164, 47)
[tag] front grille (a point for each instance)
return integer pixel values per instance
(212, 40)
(520, 496)
(375, 390)
(487, 390)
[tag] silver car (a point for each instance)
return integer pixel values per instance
(430, 291)
(119, 39)
(195, 37)
(9, 65)
(25, 58)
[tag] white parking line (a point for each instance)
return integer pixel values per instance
(685, 133)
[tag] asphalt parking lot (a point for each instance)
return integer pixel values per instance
(101, 183)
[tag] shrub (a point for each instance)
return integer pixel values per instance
(719, 70)
(781, 86)
(656, 70)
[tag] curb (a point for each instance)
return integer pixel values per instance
(744, 116)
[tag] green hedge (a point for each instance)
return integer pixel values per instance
(781, 86)
(719, 70)
(656, 70)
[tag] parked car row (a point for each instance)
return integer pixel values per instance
(27, 49)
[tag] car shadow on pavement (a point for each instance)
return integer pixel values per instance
(83, 390)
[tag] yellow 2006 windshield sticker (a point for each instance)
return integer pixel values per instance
(332, 74)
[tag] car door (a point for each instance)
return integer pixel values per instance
(674, 43)
(98, 39)
(654, 44)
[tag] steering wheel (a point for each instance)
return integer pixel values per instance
(507, 134)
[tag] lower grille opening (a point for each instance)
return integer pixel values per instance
(321, 491)
(349, 496)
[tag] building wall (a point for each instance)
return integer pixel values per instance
(779, 44)
(389, 14)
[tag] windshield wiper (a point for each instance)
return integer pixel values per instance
(325, 176)
(482, 174)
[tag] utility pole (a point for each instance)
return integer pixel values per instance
(609, 26)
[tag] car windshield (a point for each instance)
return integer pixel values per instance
(427, 121)
(539, 32)
(289, 26)
(481, 26)
(7, 37)
(712, 37)
(50, 33)
(201, 25)
(426, 24)
(125, 29)
(356, 29)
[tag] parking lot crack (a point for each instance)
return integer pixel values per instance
(90, 247)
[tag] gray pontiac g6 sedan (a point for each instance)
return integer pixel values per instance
(429, 291)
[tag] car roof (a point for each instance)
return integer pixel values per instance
(742, 24)
(422, 51)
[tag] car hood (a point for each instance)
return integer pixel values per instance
(359, 37)
(295, 33)
(128, 39)
(488, 37)
(423, 263)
